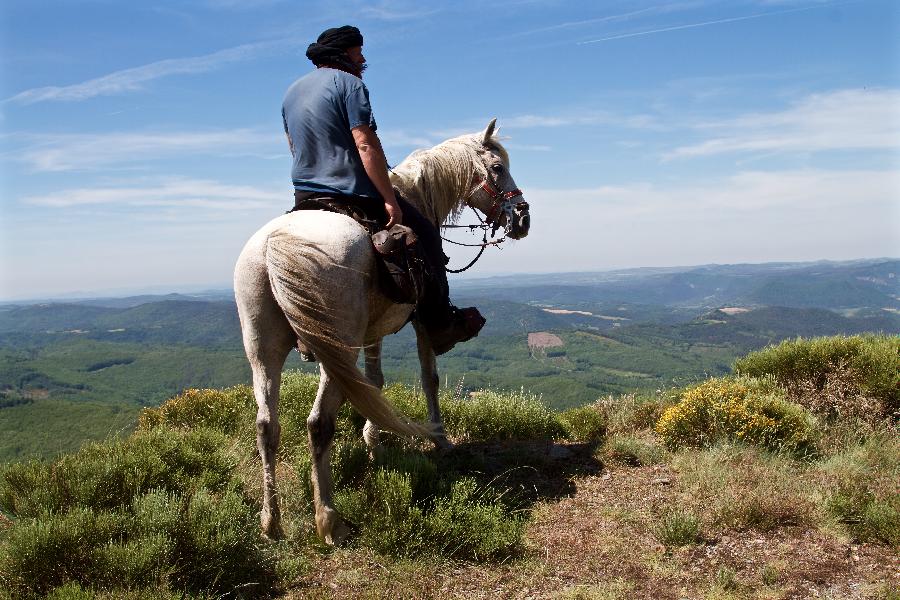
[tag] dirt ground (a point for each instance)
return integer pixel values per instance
(596, 542)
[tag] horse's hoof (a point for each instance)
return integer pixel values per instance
(339, 534)
(442, 443)
(271, 526)
(273, 534)
(331, 527)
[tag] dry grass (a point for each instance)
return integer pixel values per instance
(598, 544)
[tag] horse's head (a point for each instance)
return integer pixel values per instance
(494, 191)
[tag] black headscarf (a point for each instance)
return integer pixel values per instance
(332, 45)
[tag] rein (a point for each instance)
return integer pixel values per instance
(502, 202)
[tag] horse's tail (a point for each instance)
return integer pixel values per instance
(316, 324)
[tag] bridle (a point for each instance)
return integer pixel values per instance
(501, 203)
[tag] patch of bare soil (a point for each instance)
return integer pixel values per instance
(543, 339)
(598, 542)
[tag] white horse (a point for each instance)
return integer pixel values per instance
(311, 276)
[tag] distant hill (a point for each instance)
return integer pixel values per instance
(831, 285)
(96, 361)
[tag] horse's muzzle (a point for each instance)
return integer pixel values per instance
(521, 221)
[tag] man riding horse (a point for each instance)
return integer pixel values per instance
(338, 159)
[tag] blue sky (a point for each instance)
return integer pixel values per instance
(141, 143)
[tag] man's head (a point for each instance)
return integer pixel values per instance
(339, 47)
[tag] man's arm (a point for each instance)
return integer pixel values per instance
(375, 164)
(286, 132)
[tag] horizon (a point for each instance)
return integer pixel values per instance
(141, 145)
(218, 288)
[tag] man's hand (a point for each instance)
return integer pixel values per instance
(375, 164)
(395, 215)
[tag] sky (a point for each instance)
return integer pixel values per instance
(141, 143)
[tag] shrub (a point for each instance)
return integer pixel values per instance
(228, 410)
(197, 543)
(472, 523)
(111, 474)
(499, 416)
(870, 362)
(460, 520)
(39, 555)
(745, 410)
(629, 413)
(586, 424)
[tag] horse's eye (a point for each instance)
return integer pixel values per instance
(497, 168)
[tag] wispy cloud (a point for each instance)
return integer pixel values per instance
(73, 152)
(586, 22)
(701, 24)
(634, 121)
(170, 193)
(396, 11)
(851, 119)
(129, 80)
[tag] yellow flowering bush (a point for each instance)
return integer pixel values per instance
(747, 410)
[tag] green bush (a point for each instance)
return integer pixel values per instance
(111, 474)
(228, 410)
(493, 416)
(586, 424)
(746, 410)
(872, 362)
(472, 523)
(405, 509)
(40, 555)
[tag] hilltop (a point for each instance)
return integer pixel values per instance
(777, 481)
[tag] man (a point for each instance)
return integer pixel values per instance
(337, 155)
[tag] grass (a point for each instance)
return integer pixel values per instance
(741, 487)
(637, 450)
(678, 528)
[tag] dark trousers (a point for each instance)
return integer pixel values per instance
(435, 308)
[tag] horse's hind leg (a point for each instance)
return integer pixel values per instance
(321, 426)
(371, 433)
(268, 339)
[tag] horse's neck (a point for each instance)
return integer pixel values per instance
(434, 196)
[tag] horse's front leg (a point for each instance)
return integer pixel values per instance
(321, 425)
(371, 433)
(430, 382)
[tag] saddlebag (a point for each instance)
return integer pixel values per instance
(401, 269)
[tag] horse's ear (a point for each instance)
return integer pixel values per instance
(488, 132)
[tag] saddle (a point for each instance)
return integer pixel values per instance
(399, 259)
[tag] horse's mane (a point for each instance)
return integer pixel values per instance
(437, 179)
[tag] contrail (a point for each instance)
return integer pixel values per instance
(704, 24)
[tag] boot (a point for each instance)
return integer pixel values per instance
(462, 325)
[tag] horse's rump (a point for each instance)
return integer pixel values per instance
(322, 288)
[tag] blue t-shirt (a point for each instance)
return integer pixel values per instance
(319, 111)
